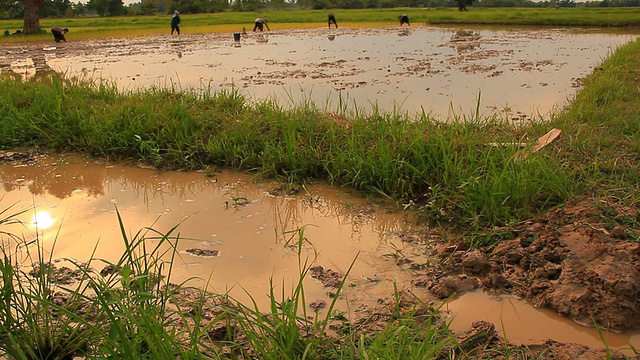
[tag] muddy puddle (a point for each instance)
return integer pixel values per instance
(237, 234)
(522, 323)
(234, 232)
(518, 73)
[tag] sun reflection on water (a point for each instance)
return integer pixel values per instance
(42, 220)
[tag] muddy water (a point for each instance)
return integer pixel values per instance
(253, 231)
(522, 323)
(253, 227)
(516, 73)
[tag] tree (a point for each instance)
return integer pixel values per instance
(11, 9)
(107, 7)
(462, 4)
(116, 8)
(276, 4)
(31, 20)
(29, 11)
(148, 7)
(54, 8)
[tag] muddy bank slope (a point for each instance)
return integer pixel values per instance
(578, 260)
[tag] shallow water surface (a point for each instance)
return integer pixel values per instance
(254, 227)
(522, 323)
(254, 232)
(518, 73)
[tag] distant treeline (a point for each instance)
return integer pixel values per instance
(65, 8)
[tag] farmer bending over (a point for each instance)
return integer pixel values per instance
(260, 23)
(404, 19)
(332, 20)
(58, 33)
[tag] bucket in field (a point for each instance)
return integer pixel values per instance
(236, 36)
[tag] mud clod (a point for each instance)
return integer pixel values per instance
(327, 277)
(560, 261)
(203, 252)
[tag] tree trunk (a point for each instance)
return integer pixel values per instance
(31, 21)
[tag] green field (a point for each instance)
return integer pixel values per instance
(628, 19)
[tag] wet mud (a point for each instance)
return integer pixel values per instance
(567, 261)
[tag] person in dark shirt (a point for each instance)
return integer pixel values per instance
(175, 22)
(404, 19)
(58, 33)
(332, 20)
(260, 23)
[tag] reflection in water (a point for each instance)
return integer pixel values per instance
(42, 220)
(49, 179)
(63, 179)
(34, 67)
(82, 194)
(432, 69)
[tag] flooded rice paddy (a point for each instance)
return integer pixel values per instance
(518, 73)
(237, 234)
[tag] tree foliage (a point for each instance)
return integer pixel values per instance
(54, 8)
(15, 9)
(462, 4)
(107, 7)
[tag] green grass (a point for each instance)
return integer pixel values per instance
(129, 26)
(447, 167)
(445, 170)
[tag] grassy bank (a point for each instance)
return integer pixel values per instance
(450, 172)
(96, 27)
(601, 145)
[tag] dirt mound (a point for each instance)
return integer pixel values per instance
(578, 260)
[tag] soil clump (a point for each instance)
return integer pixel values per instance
(581, 260)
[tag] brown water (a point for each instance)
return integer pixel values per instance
(518, 73)
(522, 323)
(75, 202)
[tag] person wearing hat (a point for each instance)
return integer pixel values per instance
(58, 33)
(260, 23)
(404, 19)
(175, 22)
